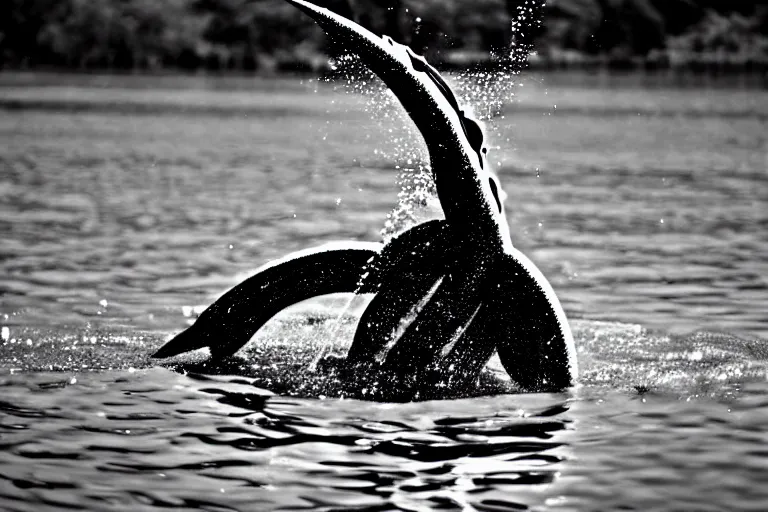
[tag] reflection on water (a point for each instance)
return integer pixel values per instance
(123, 208)
(158, 439)
(221, 445)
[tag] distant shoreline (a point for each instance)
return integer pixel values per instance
(604, 94)
(712, 64)
(584, 74)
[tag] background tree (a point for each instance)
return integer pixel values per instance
(247, 34)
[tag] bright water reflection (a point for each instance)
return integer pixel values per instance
(154, 439)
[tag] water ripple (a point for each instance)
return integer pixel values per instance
(116, 228)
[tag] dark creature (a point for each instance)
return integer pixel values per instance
(448, 293)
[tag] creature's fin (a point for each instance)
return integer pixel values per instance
(525, 321)
(407, 268)
(468, 192)
(457, 366)
(426, 97)
(231, 321)
(520, 317)
(436, 321)
(423, 247)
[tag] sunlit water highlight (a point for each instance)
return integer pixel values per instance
(125, 203)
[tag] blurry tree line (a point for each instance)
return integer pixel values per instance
(270, 34)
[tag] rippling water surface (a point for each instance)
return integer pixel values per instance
(127, 202)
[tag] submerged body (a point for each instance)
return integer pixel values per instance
(448, 293)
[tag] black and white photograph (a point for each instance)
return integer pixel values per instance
(383, 255)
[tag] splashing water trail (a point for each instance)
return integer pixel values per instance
(332, 331)
(482, 94)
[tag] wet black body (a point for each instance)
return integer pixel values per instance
(447, 293)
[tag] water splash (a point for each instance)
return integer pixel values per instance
(407, 320)
(402, 147)
(483, 94)
(332, 333)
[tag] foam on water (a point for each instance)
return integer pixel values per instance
(283, 357)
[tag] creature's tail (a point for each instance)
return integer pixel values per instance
(426, 97)
(468, 191)
(231, 321)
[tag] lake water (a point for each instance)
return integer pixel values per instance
(127, 203)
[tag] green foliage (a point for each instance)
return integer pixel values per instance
(248, 34)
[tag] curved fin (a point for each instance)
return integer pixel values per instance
(520, 317)
(454, 141)
(425, 95)
(422, 247)
(231, 321)
(406, 269)
(429, 101)
(531, 332)
(382, 317)
(458, 365)
(438, 320)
